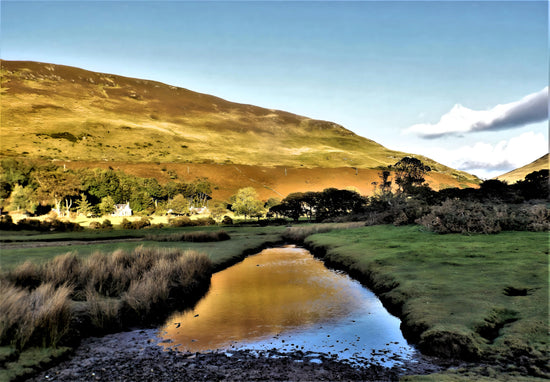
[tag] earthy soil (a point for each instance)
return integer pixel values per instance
(136, 355)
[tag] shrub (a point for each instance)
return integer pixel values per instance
(227, 220)
(182, 221)
(106, 224)
(138, 224)
(95, 225)
(126, 224)
(457, 216)
(6, 223)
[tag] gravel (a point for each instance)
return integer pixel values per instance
(136, 356)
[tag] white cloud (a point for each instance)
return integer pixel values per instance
(488, 160)
(460, 120)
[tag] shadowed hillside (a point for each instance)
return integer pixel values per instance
(57, 112)
(519, 173)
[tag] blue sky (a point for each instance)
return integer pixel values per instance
(459, 81)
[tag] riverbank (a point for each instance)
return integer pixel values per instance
(455, 295)
(479, 298)
(136, 355)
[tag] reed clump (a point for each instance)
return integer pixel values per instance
(197, 236)
(299, 234)
(45, 305)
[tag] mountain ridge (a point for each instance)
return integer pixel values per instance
(63, 113)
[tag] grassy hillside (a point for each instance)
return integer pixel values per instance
(520, 173)
(56, 112)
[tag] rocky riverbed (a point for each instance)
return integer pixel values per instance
(136, 356)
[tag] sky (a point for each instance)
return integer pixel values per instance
(462, 82)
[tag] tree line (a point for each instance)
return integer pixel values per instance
(37, 188)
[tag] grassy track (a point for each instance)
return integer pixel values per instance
(479, 296)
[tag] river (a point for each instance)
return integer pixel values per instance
(284, 298)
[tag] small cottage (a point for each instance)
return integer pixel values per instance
(122, 210)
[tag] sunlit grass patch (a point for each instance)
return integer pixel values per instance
(452, 292)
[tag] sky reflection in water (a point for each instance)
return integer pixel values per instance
(284, 298)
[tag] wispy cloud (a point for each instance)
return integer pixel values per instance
(461, 120)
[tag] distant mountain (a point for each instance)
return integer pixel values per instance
(520, 173)
(55, 112)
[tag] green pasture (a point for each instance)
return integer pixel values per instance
(487, 293)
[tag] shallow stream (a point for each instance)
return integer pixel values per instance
(286, 299)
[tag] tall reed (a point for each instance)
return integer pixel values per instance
(115, 290)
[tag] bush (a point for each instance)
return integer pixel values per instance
(6, 223)
(227, 220)
(185, 221)
(138, 224)
(106, 224)
(95, 225)
(457, 216)
(48, 225)
(126, 224)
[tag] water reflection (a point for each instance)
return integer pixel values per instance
(284, 297)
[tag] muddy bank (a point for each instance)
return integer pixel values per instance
(136, 355)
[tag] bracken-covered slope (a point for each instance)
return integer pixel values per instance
(57, 112)
(519, 173)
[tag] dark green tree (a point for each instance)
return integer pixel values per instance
(409, 173)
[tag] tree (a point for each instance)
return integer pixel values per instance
(247, 203)
(23, 198)
(291, 206)
(178, 204)
(409, 173)
(83, 206)
(218, 210)
(385, 182)
(107, 205)
(58, 186)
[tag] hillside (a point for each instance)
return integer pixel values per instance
(62, 113)
(520, 173)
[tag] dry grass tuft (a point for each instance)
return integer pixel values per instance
(197, 236)
(26, 275)
(116, 290)
(299, 234)
(41, 317)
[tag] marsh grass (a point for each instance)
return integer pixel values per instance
(471, 297)
(38, 305)
(299, 234)
(196, 236)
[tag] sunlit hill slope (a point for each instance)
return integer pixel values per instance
(55, 112)
(519, 173)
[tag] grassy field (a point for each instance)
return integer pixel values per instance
(479, 297)
(472, 297)
(242, 240)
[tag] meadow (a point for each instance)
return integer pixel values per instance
(476, 297)
(472, 297)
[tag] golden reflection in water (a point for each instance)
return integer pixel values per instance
(277, 290)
